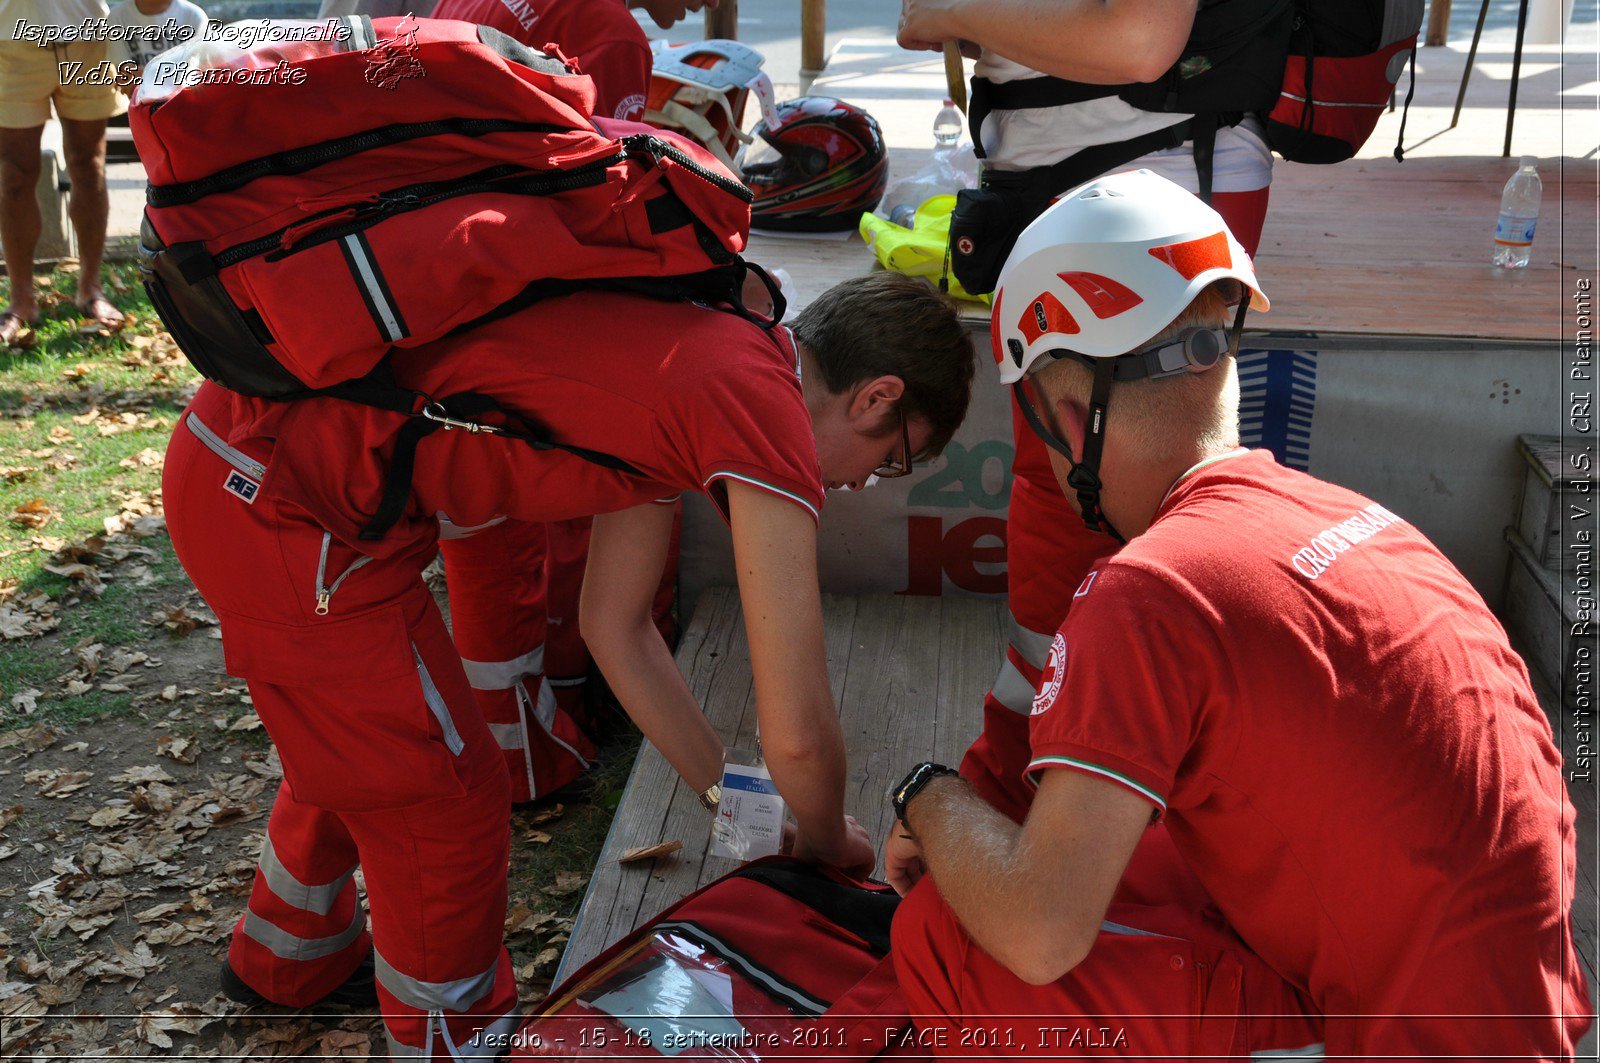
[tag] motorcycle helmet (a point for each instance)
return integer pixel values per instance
(817, 168)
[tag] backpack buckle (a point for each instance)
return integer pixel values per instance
(435, 412)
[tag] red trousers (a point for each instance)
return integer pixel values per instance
(514, 590)
(514, 613)
(1160, 983)
(387, 762)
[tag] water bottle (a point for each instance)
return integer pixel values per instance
(947, 126)
(940, 177)
(1519, 214)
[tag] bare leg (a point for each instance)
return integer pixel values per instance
(85, 144)
(19, 220)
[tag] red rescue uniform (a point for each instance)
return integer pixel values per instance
(600, 36)
(514, 589)
(387, 760)
(1346, 752)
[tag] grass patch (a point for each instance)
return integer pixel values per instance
(84, 422)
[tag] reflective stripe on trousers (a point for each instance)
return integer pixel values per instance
(315, 899)
(441, 1000)
(287, 946)
(503, 675)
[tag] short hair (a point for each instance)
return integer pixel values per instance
(1159, 416)
(888, 324)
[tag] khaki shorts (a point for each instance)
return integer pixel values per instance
(31, 77)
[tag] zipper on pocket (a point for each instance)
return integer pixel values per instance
(658, 149)
(363, 214)
(325, 592)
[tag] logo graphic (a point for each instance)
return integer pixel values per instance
(1277, 403)
(241, 485)
(395, 60)
(964, 245)
(1087, 585)
(630, 108)
(1055, 669)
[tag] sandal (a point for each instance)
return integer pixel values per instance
(16, 331)
(101, 315)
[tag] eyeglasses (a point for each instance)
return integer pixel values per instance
(899, 465)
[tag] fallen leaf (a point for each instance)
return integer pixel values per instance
(547, 815)
(143, 774)
(251, 722)
(649, 852)
(183, 750)
(567, 882)
(26, 702)
(538, 837)
(35, 513)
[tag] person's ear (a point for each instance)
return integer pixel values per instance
(874, 399)
(1073, 420)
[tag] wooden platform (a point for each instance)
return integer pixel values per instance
(909, 675)
(1367, 247)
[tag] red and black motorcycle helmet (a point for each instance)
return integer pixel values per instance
(817, 169)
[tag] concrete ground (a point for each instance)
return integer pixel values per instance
(1556, 80)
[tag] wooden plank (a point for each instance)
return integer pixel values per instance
(889, 702)
(972, 643)
(909, 675)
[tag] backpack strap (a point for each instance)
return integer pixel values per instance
(427, 415)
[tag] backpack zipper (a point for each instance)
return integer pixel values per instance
(408, 198)
(658, 149)
(299, 160)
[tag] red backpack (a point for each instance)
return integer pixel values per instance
(314, 202)
(778, 960)
(1345, 60)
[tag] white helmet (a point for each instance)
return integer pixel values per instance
(1107, 267)
(700, 89)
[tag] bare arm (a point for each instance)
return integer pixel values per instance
(775, 551)
(1102, 42)
(627, 552)
(1031, 896)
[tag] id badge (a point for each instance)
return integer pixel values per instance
(749, 822)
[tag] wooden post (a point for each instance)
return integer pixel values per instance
(1438, 23)
(813, 33)
(722, 21)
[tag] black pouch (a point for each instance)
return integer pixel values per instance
(983, 229)
(226, 344)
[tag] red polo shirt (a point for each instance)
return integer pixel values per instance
(600, 36)
(691, 397)
(1347, 752)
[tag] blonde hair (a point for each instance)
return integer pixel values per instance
(1172, 414)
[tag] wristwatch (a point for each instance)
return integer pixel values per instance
(913, 783)
(711, 797)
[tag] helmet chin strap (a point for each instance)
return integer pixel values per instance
(1085, 475)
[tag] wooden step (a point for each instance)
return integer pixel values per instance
(1558, 500)
(1553, 616)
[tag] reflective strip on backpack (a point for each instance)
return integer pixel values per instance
(370, 283)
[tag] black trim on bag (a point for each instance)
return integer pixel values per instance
(864, 913)
(513, 50)
(299, 160)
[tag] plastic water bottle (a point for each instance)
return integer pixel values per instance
(947, 125)
(1519, 215)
